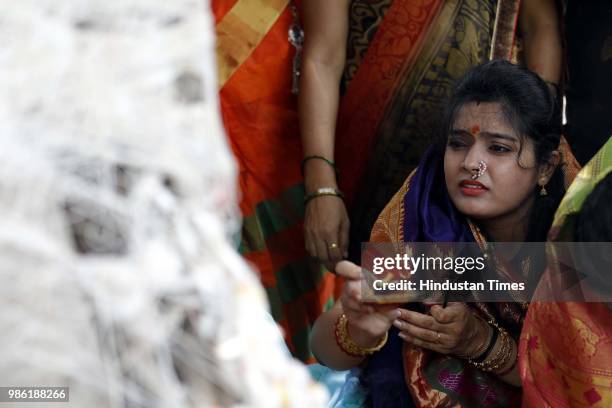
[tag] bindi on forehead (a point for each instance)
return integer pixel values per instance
(474, 130)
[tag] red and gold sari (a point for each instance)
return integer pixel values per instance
(436, 380)
(400, 52)
(403, 57)
(421, 211)
(566, 348)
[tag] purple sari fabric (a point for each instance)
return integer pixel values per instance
(429, 216)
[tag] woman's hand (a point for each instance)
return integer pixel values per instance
(326, 229)
(325, 34)
(367, 323)
(448, 330)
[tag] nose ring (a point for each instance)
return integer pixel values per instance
(482, 167)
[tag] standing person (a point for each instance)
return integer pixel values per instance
(260, 116)
(588, 29)
(374, 77)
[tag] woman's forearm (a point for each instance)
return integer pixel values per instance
(318, 108)
(323, 342)
(539, 26)
(325, 30)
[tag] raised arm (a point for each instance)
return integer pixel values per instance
(346, 334)
(539, 26)
(325, 27)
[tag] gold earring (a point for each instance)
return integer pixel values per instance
(543, 191)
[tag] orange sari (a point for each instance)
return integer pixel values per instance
(260, 116)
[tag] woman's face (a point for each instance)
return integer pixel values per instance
(481, 132)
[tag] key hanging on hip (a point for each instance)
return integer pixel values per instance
(296, 38)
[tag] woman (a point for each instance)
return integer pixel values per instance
(505, 117)
(570, 366)
(260, 118)
(394, 61)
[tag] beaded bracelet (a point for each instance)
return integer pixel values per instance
(348, 346)
(325, 191)
(326, 160)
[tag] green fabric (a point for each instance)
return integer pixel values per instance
(272, 216)
(584, 183)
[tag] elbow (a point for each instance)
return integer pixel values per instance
(315, 343)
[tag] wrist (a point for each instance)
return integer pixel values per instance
(322, 192)
(318, 174)
(361, 337)
(480, 339)
(496, 359)
(347, 344)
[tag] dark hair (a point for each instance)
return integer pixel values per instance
(594, 224)
(531, 110)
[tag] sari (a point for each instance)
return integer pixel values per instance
(421, 211)
(260, 117)
(571, 365)
(403, 57)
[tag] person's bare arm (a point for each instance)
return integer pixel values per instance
(539, 26)
(367, 324)
(323, 342)
(325, 29)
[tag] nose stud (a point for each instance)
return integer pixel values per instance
(482, 167)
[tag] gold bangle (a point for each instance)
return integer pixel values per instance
(482, 348)
(503, 346)
(346, 343)
(502, 355)
(325, 191)
(508, 370)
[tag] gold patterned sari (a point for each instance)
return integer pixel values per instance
(566, 347)
(403, 57)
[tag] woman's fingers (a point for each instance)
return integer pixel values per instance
(452, 312)
(343, 237)
(334, 251)
(420, 320)
(322, 254)
(352, 305)
(426, 335)
(434, 346)
(309, 244)
(352, 289)
(423, 331)
(444, 331)
(349, 270)
(325, 224)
